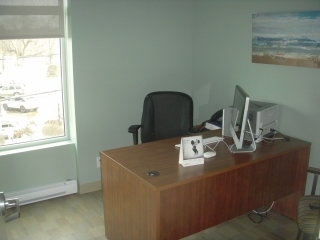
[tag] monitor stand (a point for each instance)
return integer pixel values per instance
(246, 148)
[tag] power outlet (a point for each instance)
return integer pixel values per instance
(98, 162)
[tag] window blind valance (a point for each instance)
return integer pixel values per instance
(31, 19)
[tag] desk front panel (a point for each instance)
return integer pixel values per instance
(182, 201)
(198, 205)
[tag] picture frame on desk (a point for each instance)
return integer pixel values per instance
(191, 151)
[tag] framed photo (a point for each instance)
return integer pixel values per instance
(191, 151)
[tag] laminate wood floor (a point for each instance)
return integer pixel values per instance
(80, 217)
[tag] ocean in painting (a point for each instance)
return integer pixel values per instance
(287, 38)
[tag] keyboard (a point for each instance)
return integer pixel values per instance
(207, 140)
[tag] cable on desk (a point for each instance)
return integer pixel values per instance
(217, 143)
(201, 128)
(285, 138)
(259, 214)
(207, 146)
(270, 139)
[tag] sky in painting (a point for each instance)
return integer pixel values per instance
(294, 25)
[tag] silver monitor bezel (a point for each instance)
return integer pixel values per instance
(238, 141)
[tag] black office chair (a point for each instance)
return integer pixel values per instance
(165, 114)
(308, 210)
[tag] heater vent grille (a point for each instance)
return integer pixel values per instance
(44, 192)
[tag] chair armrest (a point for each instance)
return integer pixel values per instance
(313, 170)
(134, 130)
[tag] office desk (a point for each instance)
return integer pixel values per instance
(185, 200)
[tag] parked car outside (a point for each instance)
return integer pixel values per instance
(12, 90)
(10, 129)
(23, 104)
(4, 82)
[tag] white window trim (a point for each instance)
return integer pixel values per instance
(68, 100)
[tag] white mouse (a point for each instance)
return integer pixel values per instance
(209, 154)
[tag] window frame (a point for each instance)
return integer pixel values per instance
(66, 85)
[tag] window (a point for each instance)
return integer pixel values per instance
(32, 83)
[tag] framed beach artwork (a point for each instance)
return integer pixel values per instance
(291, 39)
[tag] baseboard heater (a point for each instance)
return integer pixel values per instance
(44, 192)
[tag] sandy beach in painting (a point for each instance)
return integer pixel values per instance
(267, 58)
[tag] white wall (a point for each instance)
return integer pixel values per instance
(122, 51)
(222, 59)
(34, 168)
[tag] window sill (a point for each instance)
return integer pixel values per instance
(34, 148)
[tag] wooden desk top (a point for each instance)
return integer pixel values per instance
(163, 156)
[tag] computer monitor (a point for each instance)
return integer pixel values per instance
(239, 120)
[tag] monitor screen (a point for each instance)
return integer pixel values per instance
(239, 120)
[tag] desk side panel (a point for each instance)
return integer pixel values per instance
(198, 205)
(288, 205)
(129, 204)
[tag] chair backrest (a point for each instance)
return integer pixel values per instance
(166, 114)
